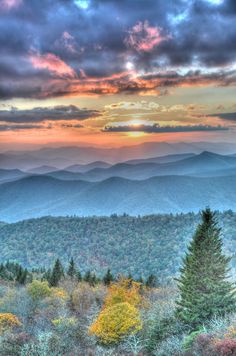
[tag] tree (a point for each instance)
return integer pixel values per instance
(8, 321)
(151, 281)
(71, 269)
(39, 290)
(119, 316)
(108, 278)
(79, 276)
(90, 278)
(204, 289)
(21, 275)
(116, 322)
(57, 274)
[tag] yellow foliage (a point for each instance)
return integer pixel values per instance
(59, 293)
(64, 321)
(39, 290)
(115, 322)
(231, 333)
(123, 291)
(8, 321)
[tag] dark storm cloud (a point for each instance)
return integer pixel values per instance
(42, 114)
(21, 127)
(48, 48)
(162, 129)
(229, 116)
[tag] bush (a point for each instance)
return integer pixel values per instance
(8, 321)
(39, 290)
(189, 340)
(203, 345)
(225, 347)
(11, 344)
(116, 322)
(172, 346)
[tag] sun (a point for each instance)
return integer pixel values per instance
(136, 134)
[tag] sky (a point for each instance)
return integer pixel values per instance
(113, 73)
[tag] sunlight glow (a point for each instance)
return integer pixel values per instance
(136, 134)
(83, 4)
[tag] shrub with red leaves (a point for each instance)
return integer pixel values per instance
(225, 347)
(203, 345)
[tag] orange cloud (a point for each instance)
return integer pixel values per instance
(52, 63)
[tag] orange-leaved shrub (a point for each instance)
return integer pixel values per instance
(8, 321)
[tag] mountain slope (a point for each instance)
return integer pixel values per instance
(143, 245)
(82, 168)
(200, 165)
(7, 175)
(61, 157)
(39, 195)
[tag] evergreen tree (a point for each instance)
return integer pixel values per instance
(151, 281)
(57, 274)
(204, 289)
(108, 278)
(90, 278)
(47, 275)
(71, 269)
(93, 280)
(79, 276)
(87, 277)
(140, 280)
(21, 275)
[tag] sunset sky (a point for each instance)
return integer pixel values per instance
(113, 73)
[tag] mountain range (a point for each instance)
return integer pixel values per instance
(168, 184)
(61, 157)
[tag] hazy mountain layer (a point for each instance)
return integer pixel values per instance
(62, 157)
(39, 195)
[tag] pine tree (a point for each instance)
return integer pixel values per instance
(108, 278)
(87, 277)
(71, 269)
(79, 276)
(57, 274)
(151, 281)
(204, 289)
(21, 275)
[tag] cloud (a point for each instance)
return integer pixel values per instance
(134, 105)
(41, 114)
(68, 126)
(10, 4)
(72, 56)
(156, 128)
(67, 41)
(52, 63)
(153, 84)
(21, 127)
(229, 116)
(143, 38)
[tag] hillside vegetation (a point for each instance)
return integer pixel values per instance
(139, 245)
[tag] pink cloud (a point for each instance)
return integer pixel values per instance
(68, 41)
(52, 63)
(143, 37)
(9, 4)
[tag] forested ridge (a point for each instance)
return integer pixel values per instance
(137, 245)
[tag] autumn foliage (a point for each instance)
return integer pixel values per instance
(8, 321)
(120, 316)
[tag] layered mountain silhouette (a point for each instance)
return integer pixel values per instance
(62, 157)
(39, 195)
(167, 184)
